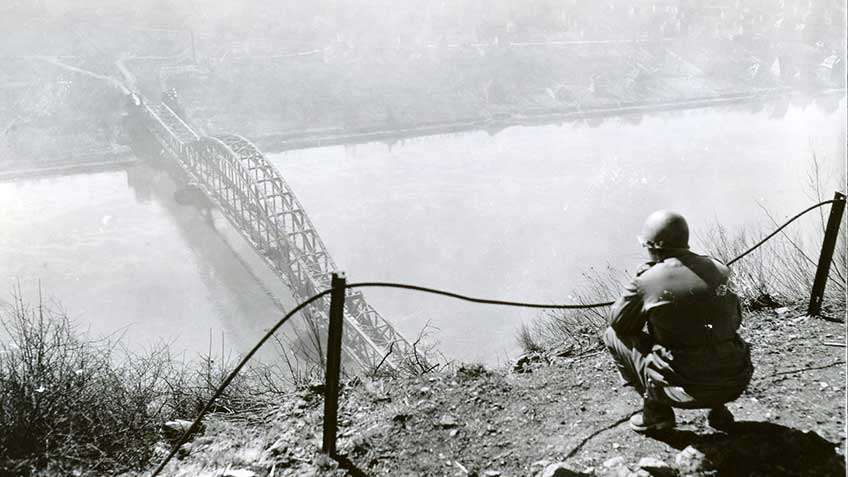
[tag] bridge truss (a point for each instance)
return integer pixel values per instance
(255, 198)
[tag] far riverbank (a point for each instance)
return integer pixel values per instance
(122, 156)
(532, 117)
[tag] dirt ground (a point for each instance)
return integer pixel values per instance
(791, 420)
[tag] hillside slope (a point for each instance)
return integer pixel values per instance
(791, 421)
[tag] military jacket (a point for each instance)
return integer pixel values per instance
(688, 305)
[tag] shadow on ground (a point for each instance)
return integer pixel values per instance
(762, 448)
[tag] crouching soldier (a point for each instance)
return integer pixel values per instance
(689, 355)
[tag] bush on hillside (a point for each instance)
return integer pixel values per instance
(69, 402)
(64, 401)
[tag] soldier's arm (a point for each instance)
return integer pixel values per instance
(738, 320)
(627, 317)
(727, 290)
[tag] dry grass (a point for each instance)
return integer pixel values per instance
(64, 403)
(71, 403)
(575, 330)
(303, 355)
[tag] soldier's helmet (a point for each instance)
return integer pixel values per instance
(664, 230)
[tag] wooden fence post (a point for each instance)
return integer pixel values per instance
(828, 246)
(334, 359)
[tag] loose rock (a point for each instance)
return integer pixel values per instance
(649, 463)
(651, 466)
(692, 462)
(559, 469)
(175, 429)
(238, 473)
(526, 362)
(614, 462)
(447, 421)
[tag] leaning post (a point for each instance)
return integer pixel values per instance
(334, 359)
(828, 246)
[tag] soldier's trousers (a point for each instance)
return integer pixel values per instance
(630, 353)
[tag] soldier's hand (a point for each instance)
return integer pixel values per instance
(659, 368)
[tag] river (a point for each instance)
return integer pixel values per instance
(520, 214)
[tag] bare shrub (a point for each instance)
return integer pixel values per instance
(755, 278)
(69, 402)
(64, 403)
(573, 331)
(422, 358)
(781, 271)
(309, 339)
(289, 370)
(528, 340)
(188, 385)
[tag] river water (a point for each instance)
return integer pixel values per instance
(520, 214)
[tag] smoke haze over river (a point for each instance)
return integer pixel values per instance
(516, 215)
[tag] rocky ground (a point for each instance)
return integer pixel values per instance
(552, 416)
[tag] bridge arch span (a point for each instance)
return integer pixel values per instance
(256, 199)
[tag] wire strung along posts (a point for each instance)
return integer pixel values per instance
(334, 360)
(828, 246)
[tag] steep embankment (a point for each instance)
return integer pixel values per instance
(568, 409)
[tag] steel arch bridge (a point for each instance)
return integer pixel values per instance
(256, 199)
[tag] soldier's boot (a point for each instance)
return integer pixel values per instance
(720, 418)
(654, 417)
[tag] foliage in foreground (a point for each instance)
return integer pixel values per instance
(68, 402)
(64, 401)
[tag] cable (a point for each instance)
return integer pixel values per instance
(405, 286)
(793, 219)
(183, 438)
(486, 301)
